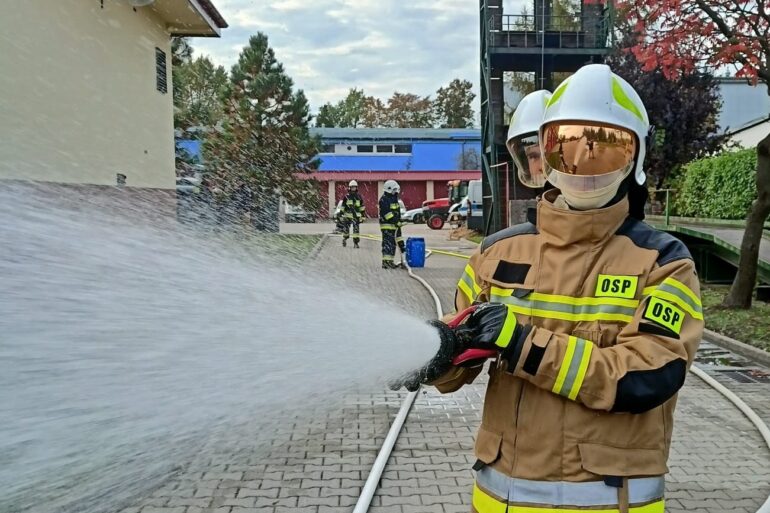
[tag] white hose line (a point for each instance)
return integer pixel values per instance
(367, 492)
(745, 409)
(365, 499)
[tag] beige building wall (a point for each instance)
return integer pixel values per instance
(78, 97)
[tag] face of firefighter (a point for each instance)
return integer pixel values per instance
(535, 163)
(527, 157)
(353, 189)
(588, 162)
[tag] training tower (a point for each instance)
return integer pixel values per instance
(549, 39)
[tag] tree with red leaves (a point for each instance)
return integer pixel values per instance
(680, 36)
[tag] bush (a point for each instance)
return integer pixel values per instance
(720, 187)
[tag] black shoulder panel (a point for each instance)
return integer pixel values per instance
(513, 231)
(669, 248)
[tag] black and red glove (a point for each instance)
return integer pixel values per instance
(493, 327)
(490, 329)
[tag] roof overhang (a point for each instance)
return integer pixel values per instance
(197, 18)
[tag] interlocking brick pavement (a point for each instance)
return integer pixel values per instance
(317, 460)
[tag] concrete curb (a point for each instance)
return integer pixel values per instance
(736, 346)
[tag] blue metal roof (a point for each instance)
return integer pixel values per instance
(397, 134)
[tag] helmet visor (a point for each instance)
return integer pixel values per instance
(592, 154)
(525, 150)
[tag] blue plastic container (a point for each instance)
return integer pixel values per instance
(415, 252)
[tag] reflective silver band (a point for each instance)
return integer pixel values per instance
(562, 493)
(564, 307)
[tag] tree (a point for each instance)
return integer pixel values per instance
(565, 15)
(406, 110)
(348, 112)
(468, 159)
(181, 51)
(452, 106)
(354, 111)
(682, 35)
(683, 109)
(375, 113)
(264, 144)
(328, 116)
(198, 89)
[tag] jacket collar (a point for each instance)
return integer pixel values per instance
(563, 226)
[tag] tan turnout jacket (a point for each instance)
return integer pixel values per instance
(584, 421)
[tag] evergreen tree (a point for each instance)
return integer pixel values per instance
(264, 145)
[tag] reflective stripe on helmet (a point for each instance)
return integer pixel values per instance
(557, 94)
(624, 100)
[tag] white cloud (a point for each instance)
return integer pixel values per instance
(330, 46)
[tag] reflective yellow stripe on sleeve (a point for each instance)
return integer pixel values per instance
(507, 332)
(389, 215)
(678, 293)
(467, 284)
(573, 368)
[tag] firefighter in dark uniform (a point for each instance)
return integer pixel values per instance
(390, 222)
(353, 212)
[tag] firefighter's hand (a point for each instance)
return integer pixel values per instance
(450, 345)
(494, 326)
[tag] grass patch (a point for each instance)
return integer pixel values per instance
(750, 326)
(477, 238)
(291, 245)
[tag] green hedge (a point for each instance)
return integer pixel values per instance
(720, 187)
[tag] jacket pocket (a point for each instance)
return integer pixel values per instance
(487, 446)
(604, 460)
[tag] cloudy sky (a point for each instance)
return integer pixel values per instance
(329, 46)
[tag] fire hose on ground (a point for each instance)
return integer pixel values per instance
(370, 487)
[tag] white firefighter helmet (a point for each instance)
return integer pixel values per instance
(392, 187)
(352, 183)
(594, 134)
(523, 142)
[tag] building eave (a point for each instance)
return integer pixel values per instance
(210, 12)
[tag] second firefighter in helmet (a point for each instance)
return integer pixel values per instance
(352, 214)
(523, 141)
(591, 318)
(390, 223)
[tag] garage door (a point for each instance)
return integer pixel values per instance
(413, 194)
(323, 191)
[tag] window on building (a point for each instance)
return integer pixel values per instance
(365, 148)
(384, 148)
(161, 82)
(327, 148)
(403, 148)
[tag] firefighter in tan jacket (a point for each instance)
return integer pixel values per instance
(594, 318)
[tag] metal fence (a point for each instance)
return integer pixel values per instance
(567, 31)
